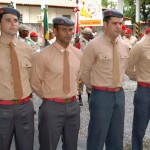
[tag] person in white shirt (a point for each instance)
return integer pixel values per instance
(129, 38)
(35, 44)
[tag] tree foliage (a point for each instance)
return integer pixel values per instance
(130, 8)
(109, 4)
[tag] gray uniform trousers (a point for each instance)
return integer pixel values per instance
(141, 116)
(106, 123)
(56, 119)
(17, 120)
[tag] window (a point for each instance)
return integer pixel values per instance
(20, 20)
(68, 16)
(39, 18)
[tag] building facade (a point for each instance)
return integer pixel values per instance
(31, 13)
(31, 9)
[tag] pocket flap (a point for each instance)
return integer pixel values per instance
(124, 56)
(26, 64)
(104, 56)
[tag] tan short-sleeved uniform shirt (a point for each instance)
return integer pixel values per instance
(24, 54)
(47, 72)
(139, 61)
(98, 62)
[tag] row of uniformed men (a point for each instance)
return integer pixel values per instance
(59, 113)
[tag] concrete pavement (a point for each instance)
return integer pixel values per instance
(81, 143)
(37, 102)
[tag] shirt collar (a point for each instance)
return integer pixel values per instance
(108, 39)
(6, 42)
(60, 48)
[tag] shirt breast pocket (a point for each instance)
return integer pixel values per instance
(5, 72)
(5, 75)
(105, 59)
(124, 60)
(25, 68)
(124, 57)
(26, 64)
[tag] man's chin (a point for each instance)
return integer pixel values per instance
(13, 34)
(67, 42)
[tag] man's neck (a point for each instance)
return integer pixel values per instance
(7, 39)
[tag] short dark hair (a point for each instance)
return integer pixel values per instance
(55, 26)
(106, 19)
(148, 22)
(1, 18)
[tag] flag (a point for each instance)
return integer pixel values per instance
(77, 28)
(11, 4)
(45, 23)
(45, 27)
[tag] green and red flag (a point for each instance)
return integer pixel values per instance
(45, 26)
(45, 22)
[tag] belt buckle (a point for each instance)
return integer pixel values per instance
(16, 101)
(67, 100)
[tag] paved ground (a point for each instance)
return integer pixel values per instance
(81, 142)
(129, 93)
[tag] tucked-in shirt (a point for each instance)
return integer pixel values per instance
(24, 54)
(98, 62)
(47, 72)
(139, 61)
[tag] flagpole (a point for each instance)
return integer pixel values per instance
(42, 25)
(45, 26)
(76, 11)
(77, 28)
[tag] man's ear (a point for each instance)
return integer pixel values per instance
(105, 23)
(55, 31)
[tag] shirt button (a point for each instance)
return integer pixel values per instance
(27, 65)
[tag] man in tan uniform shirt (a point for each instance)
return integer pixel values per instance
(59, 113)
(107, 98)
(139, 70)
(16, 114)
(85, 38)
